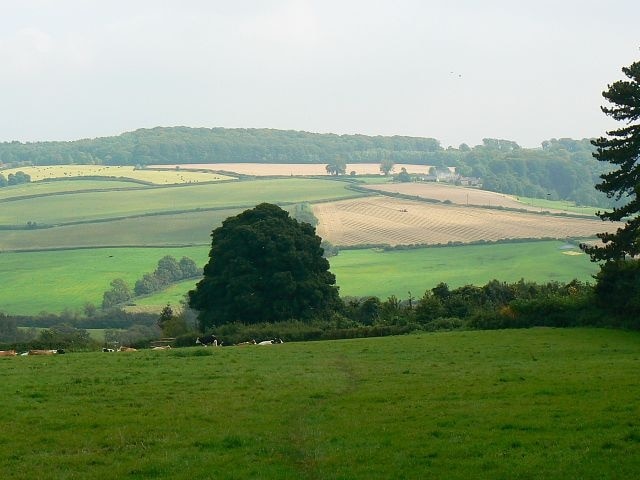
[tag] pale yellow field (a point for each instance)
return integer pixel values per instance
(385, 220)
(297, 169)
(458, 195)
(168, 176)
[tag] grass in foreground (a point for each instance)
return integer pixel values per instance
(539, 403)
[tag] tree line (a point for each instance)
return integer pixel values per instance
(14, 179)
(559, 169)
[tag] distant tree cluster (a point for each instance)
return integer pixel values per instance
(168, 271)
(561, 169)
(14, 179)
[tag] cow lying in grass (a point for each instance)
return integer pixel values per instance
(162, 347)
(8, 353)
(46, 352)
(271, 342)
(127, 349)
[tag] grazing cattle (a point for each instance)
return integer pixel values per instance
(163, 347)
(127, 349)
(8, 353)
(108, 350)
(208, 340)
(46, 352)
(244, 344)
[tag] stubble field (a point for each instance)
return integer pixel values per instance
(393, 221)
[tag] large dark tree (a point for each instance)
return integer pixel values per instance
(264, 267)
(621, 148)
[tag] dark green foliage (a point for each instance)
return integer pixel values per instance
(168, 271)
(621, 150)
(403, 176)
(64, 336)
(618, 288)
(264, 267)
(119, 294)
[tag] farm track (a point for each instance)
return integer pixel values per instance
(392, 221)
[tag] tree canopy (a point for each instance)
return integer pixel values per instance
(621, 149)
(264, 266)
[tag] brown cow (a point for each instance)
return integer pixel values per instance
(8, 353)
(127, 349)
(162, 347)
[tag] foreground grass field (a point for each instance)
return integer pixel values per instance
(53, 281)
(535, 404)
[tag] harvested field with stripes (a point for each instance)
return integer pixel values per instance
(392, 221)
(458, 195)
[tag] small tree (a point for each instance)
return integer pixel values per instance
(119, 293)
(386, 166)
(337, 166)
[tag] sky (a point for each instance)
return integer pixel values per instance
(457, 71)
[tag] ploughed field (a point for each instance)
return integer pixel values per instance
(395, 221)
(535, 403)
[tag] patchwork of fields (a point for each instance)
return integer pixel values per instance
(66, 264)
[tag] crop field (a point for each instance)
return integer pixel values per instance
(164, 176)
(295, 169)
(63, 186)
(475, 196)
(536, 403)
(393, 221)
(52, 281)
(100, 205)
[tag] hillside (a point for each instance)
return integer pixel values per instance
(560, 169)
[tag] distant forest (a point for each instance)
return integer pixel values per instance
(560, 169)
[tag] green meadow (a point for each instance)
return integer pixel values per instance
(52, 281)
(383, 273)
(55, 280)
(535, 404)
(63, 186)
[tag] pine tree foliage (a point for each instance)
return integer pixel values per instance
(621, 148)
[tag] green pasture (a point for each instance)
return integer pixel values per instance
(380, 273)
(52, 281)
(49, 188)
(103, 205)
(157, 176)
(566, 205)
(375, 272)
(191, 228)
(55, 280)
(535, 404)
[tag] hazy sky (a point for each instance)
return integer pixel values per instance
(457, 71)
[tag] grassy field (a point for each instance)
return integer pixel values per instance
(52, 281)
(535, 404)
(101, 205)
(49, 188)
(375, 272)
(379, 273)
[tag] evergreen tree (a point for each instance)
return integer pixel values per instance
(621, 148)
